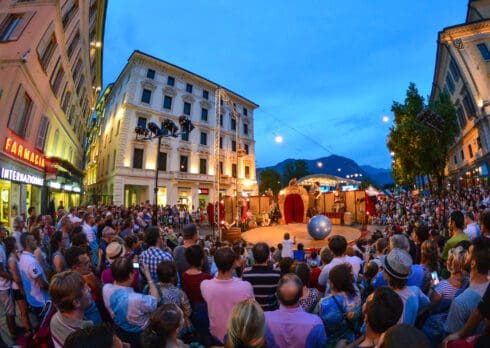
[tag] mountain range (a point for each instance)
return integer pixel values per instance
(339, 166)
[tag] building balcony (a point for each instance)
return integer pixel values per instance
(191, 177)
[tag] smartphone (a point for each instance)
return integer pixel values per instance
(136, 265)
(435, 278)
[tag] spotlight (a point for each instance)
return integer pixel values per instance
(185, 124)
(153, 127)
(171, 127)
(141, 131)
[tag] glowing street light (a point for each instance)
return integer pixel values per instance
(339, 170)
(386, 119)
(319, 164)
(392, 153)
(278, 139)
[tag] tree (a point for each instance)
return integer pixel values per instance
(296, 169)
(269, 179)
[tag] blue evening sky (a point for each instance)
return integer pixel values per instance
(324, 72)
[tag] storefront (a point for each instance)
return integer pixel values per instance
(64, 184)
(203, 197)
(135, 194)
(185, 197)
(162, 196)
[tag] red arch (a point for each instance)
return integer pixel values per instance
(293, 208)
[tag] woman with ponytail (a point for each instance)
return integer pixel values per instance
(246, 326)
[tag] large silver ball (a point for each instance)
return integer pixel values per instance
(319, 227)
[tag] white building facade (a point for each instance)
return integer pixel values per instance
(121, 169)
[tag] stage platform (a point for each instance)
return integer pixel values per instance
(274, 235)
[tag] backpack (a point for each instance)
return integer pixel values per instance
(42, 337)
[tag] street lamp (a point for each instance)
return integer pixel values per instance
(152, 132)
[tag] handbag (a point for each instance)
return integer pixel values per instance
(350, 324)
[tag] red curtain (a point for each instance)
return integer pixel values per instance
(293, 209)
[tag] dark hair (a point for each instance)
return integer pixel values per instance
(384, 310)
(64, 288)
(23, 239)
(396, 283)
(422, 233)
(337, 244)
(381, 245)
(303, 272)
(458, 219)
(189, 231)
(79, 239)
(341, 278)
(371, 270)
(151, 235)
(285, 265)
(300, 246)
(289, 300)
(54, 242)
(71, 256)
(224, 259)
(121, 268)
(164, 321)
(406, 336)
(485, 219)
(10, 244)
(93, 336)
(194, 255)
(131, 240)
(260, 252)
(481, 254)
(167, 271)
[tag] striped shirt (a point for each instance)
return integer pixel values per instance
(61, 327)
(264, 281)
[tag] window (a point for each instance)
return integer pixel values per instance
(138, 158)
(203, 166)
(221, 168)
(233, 170)
(171, 81)
(13, 25)
(66, 102)
(233, 123)
(164, 130)
(41, 133)
(76, 70)
(454, 69)
(80, 84)
(162, 161)
(114, 160)
(470, 151)
(245, 111)
(461, 116)
(185, 136)
(20, 113)
(187, 109)
(58, 78)
(142, 122)
(469, 107)
(118, 126)
(205, 94)
(204, 138)
(146, 96)
(478, 143)
(73, 44)
(46, 48)
(455, 159)
(450, 83)
(247, 172)
(221, 120)
(245, 128)
(233, 145)
(220, 142)
(246, 148)
(204, 114)
(150, 74)
(188, 88)
(183, 163)
(221, 102)
(462, 155)
(167, 102)
(485, 53)
(69, 11)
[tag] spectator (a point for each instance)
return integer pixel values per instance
(286, 265)
(287, 246)
(223, 292)
(88, 222)
(310, 296)
(397, 266)
(94, 336)
(163, 327)
(326, 257)
(472, 230)
(108, 235)
(154, 254)
(18, 226)
(478, 263)
(114, 251)
(190, 238)
(72, 297)
(429, 261)
(485, 223)
(129, 310)
(314, 259)
(299, 255)
(34, 281)
(263, 277)
(455, 225)
(6, 297)
(246, 326)
(338, 245)
(341, 310)
(406, 336)
(290, 325)
(57, 245)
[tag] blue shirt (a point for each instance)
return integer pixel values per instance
(152, 257)
(416, 279)
(129, 310)
(414, 301)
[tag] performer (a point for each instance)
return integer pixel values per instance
(316, 193)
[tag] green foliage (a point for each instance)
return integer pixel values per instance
(419, 149)
(296, 169)
(269, 178)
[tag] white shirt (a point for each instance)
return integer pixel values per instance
(17, 235)
(287, 248)
(89, 232)
(472, 231)
(354, 261)
(30, 270)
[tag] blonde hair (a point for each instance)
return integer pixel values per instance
(246, 325)
(455, 259)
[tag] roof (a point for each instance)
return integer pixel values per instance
(217, 85)
(319, 177)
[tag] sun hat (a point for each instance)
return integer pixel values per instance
(114, 250)
(398, 264)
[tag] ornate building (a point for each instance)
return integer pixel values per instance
(463, 72)
(51, 68)
(121, 169)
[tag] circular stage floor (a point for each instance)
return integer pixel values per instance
(274, 235)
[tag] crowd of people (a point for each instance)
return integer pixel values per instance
(106, 276)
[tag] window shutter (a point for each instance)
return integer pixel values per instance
(26, 18)
(41, 134)
(44, 42)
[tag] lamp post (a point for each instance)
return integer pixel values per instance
(169, 129)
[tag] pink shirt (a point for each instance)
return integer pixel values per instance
(221, 296)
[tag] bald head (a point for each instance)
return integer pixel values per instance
(289, 290)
